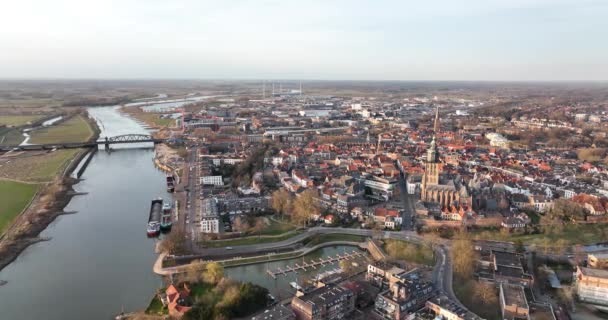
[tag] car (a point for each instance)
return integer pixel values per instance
(228, 248)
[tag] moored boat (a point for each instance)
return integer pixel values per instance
(155, 217)
(166, 219)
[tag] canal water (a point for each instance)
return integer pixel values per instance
(98, 260)
(280, 287)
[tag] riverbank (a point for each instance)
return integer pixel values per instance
(44, 207)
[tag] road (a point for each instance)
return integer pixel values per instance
(409, 211)
(442, 272)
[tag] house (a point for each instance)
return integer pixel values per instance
(329, 219)
(517, 221)
(390, 219)
(595, 208)
(177, 300)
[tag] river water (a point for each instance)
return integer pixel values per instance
(99, 260)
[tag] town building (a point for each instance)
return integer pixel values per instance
(326, 303)
(592, 286)
(210, 219)
(513, 303)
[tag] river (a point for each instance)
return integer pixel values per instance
(99, 260)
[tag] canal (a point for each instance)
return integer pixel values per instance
(98, 260)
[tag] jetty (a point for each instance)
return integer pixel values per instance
(313, 264)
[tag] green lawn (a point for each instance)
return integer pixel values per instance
(39, 167)
(408, 251)
(246, 241)
(323, 238)
(276, 228)
(259, 259)
(572, 233)
(10, 136)
(14, 197)
(17, 120)
(76, 129)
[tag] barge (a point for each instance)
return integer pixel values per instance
(154, 218)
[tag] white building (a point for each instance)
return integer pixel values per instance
(592, 286)
(210, 219)
(212, 180)
(497, 140)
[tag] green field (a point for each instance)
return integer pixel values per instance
(276, 228)
(10, 136)
(246, 241)
(330, 237)
(572, 233)
(14, 197)
(410, 252)
(41, 167)
(76, 129)
(18, 120)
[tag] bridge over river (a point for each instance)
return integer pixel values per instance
(106, 141)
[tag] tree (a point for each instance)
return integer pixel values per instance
(194, 271)
(241, 225)
(281, 201)
(463, 258)
(214, 273)
(305, 207)
(259, 226)
(485, 293)
(174, 243)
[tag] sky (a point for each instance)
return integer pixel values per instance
(512, 40)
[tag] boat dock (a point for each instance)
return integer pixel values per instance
(313, 264)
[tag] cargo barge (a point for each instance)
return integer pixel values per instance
(154, 217)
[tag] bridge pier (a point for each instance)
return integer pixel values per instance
(107, 144)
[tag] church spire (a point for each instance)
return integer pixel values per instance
(432, 153)
(436, 125)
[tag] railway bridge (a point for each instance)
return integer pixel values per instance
(106, 141)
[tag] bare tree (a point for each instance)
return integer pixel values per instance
(305, 207)
(463, 258)
(281, 201)
(241, 225)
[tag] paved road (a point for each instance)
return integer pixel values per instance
(442, 272)
(409, 211)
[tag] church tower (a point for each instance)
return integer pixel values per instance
(432, 166)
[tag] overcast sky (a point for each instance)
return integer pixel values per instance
(306, 39)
